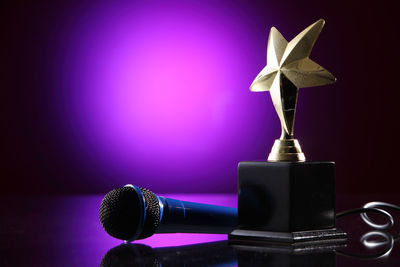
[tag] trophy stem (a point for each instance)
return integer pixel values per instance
(286, 149)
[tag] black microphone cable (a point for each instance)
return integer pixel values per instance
(376, 207)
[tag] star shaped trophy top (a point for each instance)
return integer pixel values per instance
(288, 69)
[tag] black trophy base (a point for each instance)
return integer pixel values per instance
(303, 239)
(287, 203)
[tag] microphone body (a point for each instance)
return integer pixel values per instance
(130, 213)
(178, 216)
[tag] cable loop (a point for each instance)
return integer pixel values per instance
(376, 205)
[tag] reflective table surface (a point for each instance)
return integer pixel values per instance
(65, 231)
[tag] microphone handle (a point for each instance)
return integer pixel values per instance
(188, 217)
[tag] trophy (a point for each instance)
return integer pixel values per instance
(288, 200)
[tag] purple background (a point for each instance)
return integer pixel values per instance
(155, 93)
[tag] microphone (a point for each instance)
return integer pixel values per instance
(130, 213)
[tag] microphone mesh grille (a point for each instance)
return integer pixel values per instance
(120, 213)
(152, 213)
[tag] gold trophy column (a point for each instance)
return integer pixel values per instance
(289, 68)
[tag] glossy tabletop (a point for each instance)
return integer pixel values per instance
(65, 231)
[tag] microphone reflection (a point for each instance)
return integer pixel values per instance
(205, 254)
(219, 253)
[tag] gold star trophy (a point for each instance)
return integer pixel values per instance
(287, 199)
(288, 69)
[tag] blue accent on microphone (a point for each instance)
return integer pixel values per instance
(161, 208)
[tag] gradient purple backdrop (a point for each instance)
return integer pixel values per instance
(155, 93)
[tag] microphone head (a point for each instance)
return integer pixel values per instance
(130, 213)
